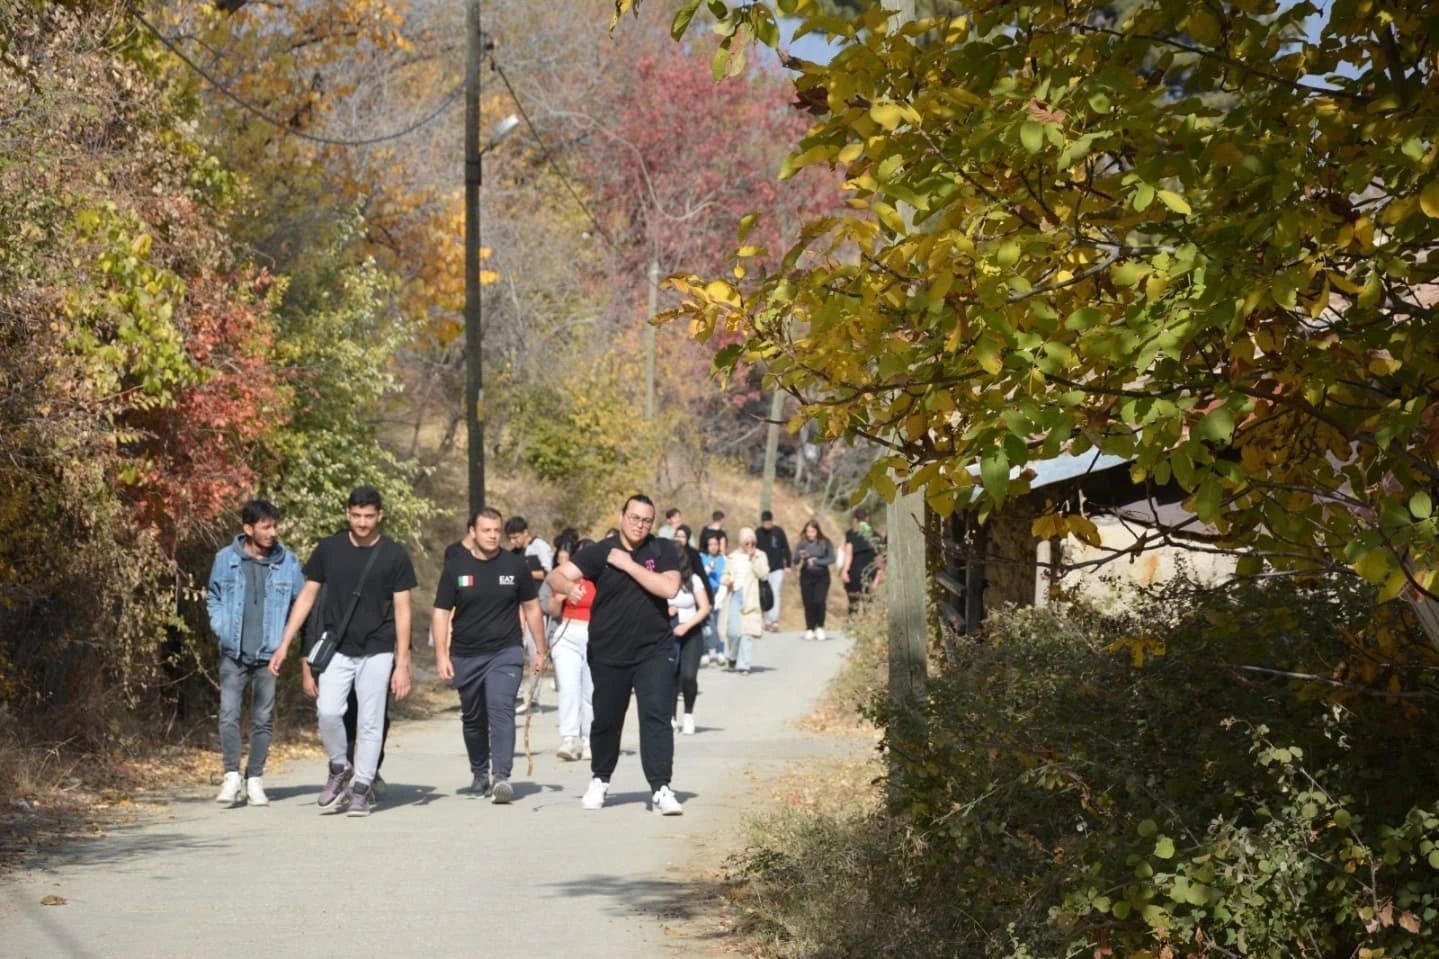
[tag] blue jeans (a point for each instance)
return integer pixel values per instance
(740, 645)
(233, 678)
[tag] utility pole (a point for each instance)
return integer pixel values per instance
(908, 576)
(771, 449)
(650, 340)
(474, 332)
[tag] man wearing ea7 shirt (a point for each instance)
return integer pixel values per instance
(631, 647)
(484, 593)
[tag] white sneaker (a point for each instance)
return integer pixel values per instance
(255, 792)
(819, 634)
(665, 803)
(674, 724)
(569, 749)
(232, 789)
(809, 634)
(522, 707)
(585, 748)
(594, 797)
(688, 729)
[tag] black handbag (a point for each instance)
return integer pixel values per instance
(766, 596)
(324, 648)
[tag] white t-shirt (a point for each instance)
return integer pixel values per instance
(684, 601)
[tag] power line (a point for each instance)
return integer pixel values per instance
(281, 125)
(549, 156)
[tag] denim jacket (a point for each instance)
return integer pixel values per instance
(226, 600)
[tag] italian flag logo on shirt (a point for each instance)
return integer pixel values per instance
(464, 581)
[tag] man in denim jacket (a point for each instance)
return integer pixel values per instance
(253, 584)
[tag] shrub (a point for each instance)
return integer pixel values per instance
(1155, 783)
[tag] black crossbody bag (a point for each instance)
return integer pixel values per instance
(325, 647)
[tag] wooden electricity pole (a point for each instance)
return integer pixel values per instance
(907, 577)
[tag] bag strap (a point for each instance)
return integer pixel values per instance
(355, 596)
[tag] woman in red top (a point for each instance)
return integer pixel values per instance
(568, 653)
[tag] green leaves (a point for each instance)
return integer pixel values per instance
(1232, 317)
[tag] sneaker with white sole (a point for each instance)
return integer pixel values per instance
(255, 792)
(334, 787)
(569, 748)
(501, 792)
(585, 748)
(809, 634)
(687, 728)
(594, 797)
(819, 634)
(231, 789)
(666, 803)
(362, 801)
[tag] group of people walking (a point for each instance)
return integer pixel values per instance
(638, 612)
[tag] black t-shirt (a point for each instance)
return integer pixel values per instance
(627, 623)
(862, 554)
(338, 563)
(486, 596)
(708, 533)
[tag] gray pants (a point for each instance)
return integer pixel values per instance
(369, 676)
(233, 678)
(487, 687)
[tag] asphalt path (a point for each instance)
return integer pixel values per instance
(433, 872)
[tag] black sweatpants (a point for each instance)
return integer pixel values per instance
(692, 645)
(653, 683)
(813, 591)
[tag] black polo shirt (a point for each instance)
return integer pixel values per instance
(627, 623)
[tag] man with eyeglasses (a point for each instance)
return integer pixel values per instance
(631, 648)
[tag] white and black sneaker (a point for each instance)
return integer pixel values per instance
(594, 797)
(666, 803)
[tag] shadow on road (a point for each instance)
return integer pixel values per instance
(670, 900)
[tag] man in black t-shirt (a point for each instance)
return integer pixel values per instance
(631, 647)
(857, 567)
(373, 658)
(485, 594)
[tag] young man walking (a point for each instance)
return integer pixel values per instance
(484, 595)
(775, 545)
(253, 583)
(540, 559)
(367, 579)
(631, 648)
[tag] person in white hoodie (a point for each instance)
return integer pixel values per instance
(742, 620)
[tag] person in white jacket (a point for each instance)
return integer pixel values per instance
(742, 620)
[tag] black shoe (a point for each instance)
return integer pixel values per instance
(480, 786)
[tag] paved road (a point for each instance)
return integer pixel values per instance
(434, 873)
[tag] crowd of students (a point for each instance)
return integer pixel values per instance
(637, 613)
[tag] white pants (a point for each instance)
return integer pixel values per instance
(370, 678)
(572, 673)
(776, 580)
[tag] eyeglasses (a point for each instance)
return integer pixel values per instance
(645, 521)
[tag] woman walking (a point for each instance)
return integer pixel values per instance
(569, 650)
(712, 562)
(743, 619)
(689, 610)
(814, 556)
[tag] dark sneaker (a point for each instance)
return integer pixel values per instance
(335, 785)
(502, 792)
(378, 787)
(479, 786)
(362, 801)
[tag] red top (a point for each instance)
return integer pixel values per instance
(580, 610)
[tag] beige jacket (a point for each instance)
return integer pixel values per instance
(741, 573)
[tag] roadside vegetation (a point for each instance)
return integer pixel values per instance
(1118, 783)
